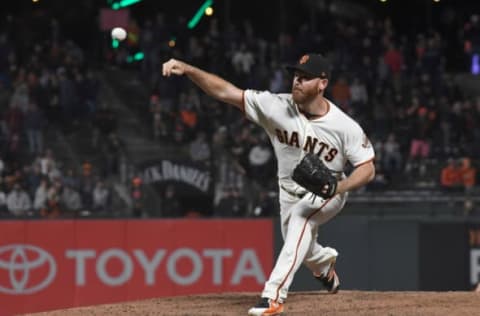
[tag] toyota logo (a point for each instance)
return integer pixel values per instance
(25, 269)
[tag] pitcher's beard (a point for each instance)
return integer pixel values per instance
(300, 98)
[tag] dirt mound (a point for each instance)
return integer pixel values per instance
(299, 303)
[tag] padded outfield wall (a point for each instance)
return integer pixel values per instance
(52, 264)
(400, 254)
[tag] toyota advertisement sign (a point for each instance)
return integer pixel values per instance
(47, 265)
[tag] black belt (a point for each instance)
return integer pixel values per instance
(294, 194)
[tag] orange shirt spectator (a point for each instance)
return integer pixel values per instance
(189, 118)
(467, 173)
(450, 175)
(87, 169)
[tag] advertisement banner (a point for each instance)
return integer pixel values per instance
(192, 178)
(47, 265)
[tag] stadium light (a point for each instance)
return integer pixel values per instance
(123, 4)
(475, 69)
(196, 18)
(136, 57)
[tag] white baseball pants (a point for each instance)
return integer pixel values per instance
(300, 219)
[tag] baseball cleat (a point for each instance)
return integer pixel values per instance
(266, 307)
(330, 280)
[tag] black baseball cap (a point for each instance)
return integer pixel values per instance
(312, 64)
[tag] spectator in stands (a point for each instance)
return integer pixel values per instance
(41, 196)
(46, 161)
(33, 177)
(359, 96)
(54, 172)
(34, 125)
(51, 210)
(54, 193)
(114, 150)
(394, 60)
(3, 203)
(242, 61)
(392, 157)
(101, 197)
(87, 184)
(138, 197)
(70, 200)
(277, 81)
(18, 201)
(423, 122)
(12, 176)
(199, 148)
(468, 174)
(71, 179)
(188, 115)
(41, 74)
(451, 177)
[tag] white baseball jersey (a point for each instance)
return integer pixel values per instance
(335, 137)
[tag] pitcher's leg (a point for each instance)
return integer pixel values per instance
(319, 258)
(298, 242)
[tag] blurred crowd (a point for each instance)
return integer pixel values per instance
(400, 87)
(49, 89)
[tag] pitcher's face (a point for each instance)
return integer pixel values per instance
(305, 87)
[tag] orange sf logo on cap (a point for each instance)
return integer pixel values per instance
(304, 59)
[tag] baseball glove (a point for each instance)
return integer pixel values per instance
(312, 174)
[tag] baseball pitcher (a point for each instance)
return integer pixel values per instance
(313, 140)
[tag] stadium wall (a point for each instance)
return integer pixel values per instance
(47, 265)
(54, 264)
(400, 254)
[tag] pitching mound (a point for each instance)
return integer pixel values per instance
(299, 303)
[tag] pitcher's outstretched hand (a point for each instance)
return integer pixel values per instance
(173, 66)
